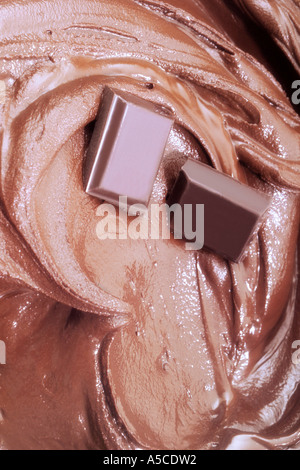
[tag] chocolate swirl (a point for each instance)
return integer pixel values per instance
(140, 344)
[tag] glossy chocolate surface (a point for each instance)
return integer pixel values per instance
(126, 345)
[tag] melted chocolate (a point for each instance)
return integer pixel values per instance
(123, 344)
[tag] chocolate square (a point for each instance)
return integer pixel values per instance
(232, 211)
(126, 149)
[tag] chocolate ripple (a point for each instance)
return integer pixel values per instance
(140, 344)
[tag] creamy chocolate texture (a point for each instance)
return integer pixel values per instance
(141, 344)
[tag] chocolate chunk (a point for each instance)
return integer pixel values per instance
(126, 148)
(232, 210)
